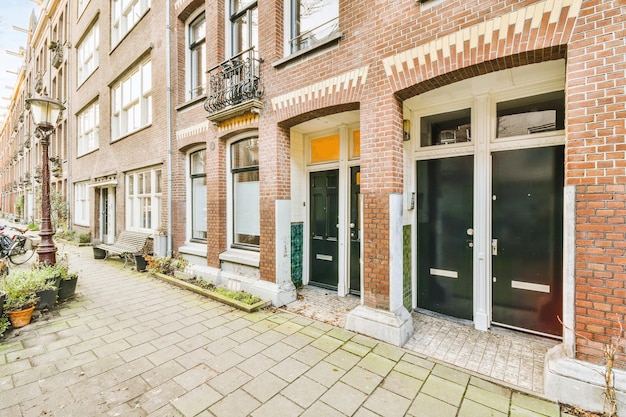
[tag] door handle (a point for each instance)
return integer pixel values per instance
(494, 247)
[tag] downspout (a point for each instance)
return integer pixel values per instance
(168, 88)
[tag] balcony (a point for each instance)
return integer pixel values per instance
(235, 87)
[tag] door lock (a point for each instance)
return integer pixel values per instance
(494, 247)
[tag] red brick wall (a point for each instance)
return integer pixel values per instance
(595, 164)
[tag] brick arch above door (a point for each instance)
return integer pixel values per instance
(536, 33)
(341, 90)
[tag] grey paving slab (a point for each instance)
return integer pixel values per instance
(132, 345)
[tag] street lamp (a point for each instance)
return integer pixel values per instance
(45, 112)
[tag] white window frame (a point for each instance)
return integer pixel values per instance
(124, 16)
(231, 17)
(190, 196)
(81, 203)
(88, 136)
(88, 53)
(230, 205)
(195, 80)
(136, 200)
(131, 97)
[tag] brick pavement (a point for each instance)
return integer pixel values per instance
(131, 345)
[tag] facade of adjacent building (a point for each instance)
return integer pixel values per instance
(44, 71)
(461, 158)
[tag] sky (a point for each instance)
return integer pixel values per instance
(12, 13)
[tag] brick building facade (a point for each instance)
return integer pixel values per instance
(463, 158)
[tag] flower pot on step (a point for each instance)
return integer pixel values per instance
(21, 318)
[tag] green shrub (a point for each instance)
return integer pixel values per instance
(84, 237)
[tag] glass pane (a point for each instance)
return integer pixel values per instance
(198, 29)
(247, 209)
(197, 162)
(158, 174)
(541, 113)
(314, 15)
(446, 128)
(325, 149)
(198, 206)
(239, 5)
(245, 153)
(146, 77)
(355, 149)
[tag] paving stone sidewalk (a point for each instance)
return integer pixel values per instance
(131, 345)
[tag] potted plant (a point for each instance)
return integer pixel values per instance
(47, 281)
(20, 288)
(67, 284)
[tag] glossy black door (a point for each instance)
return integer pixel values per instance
(324, 221)
(355, 235)
(527, 248)
(444, 247)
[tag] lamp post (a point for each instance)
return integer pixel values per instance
(45, 112)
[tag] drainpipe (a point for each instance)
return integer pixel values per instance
(168, 89)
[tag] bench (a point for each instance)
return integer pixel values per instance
(127, 244)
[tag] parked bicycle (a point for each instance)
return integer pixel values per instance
(17, 248)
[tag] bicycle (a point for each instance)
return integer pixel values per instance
(18, 248)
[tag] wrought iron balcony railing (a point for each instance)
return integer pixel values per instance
(234, 82)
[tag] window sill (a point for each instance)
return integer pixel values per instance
(241, 257)
(191, 102)
(329, 41)
(193, 248)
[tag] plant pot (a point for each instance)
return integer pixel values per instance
(21, 318)
(99, 253)
(47, 298)
(67, 288)
(140, 262)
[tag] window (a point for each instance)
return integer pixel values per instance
(88, 58)
(244, 20)
(124, 15)
(312, 21)
(88, 127)
(446, 128)
(143, 199)
(197, 56)
(525, 116)
(132, 101)
(197, 171)
(245, 193)
(81, 204)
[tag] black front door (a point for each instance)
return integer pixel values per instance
(527, 246)
(444, 247)
(324, 218)
(355, 234)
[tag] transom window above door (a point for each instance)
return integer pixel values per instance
(446, 128)
(529, 115)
